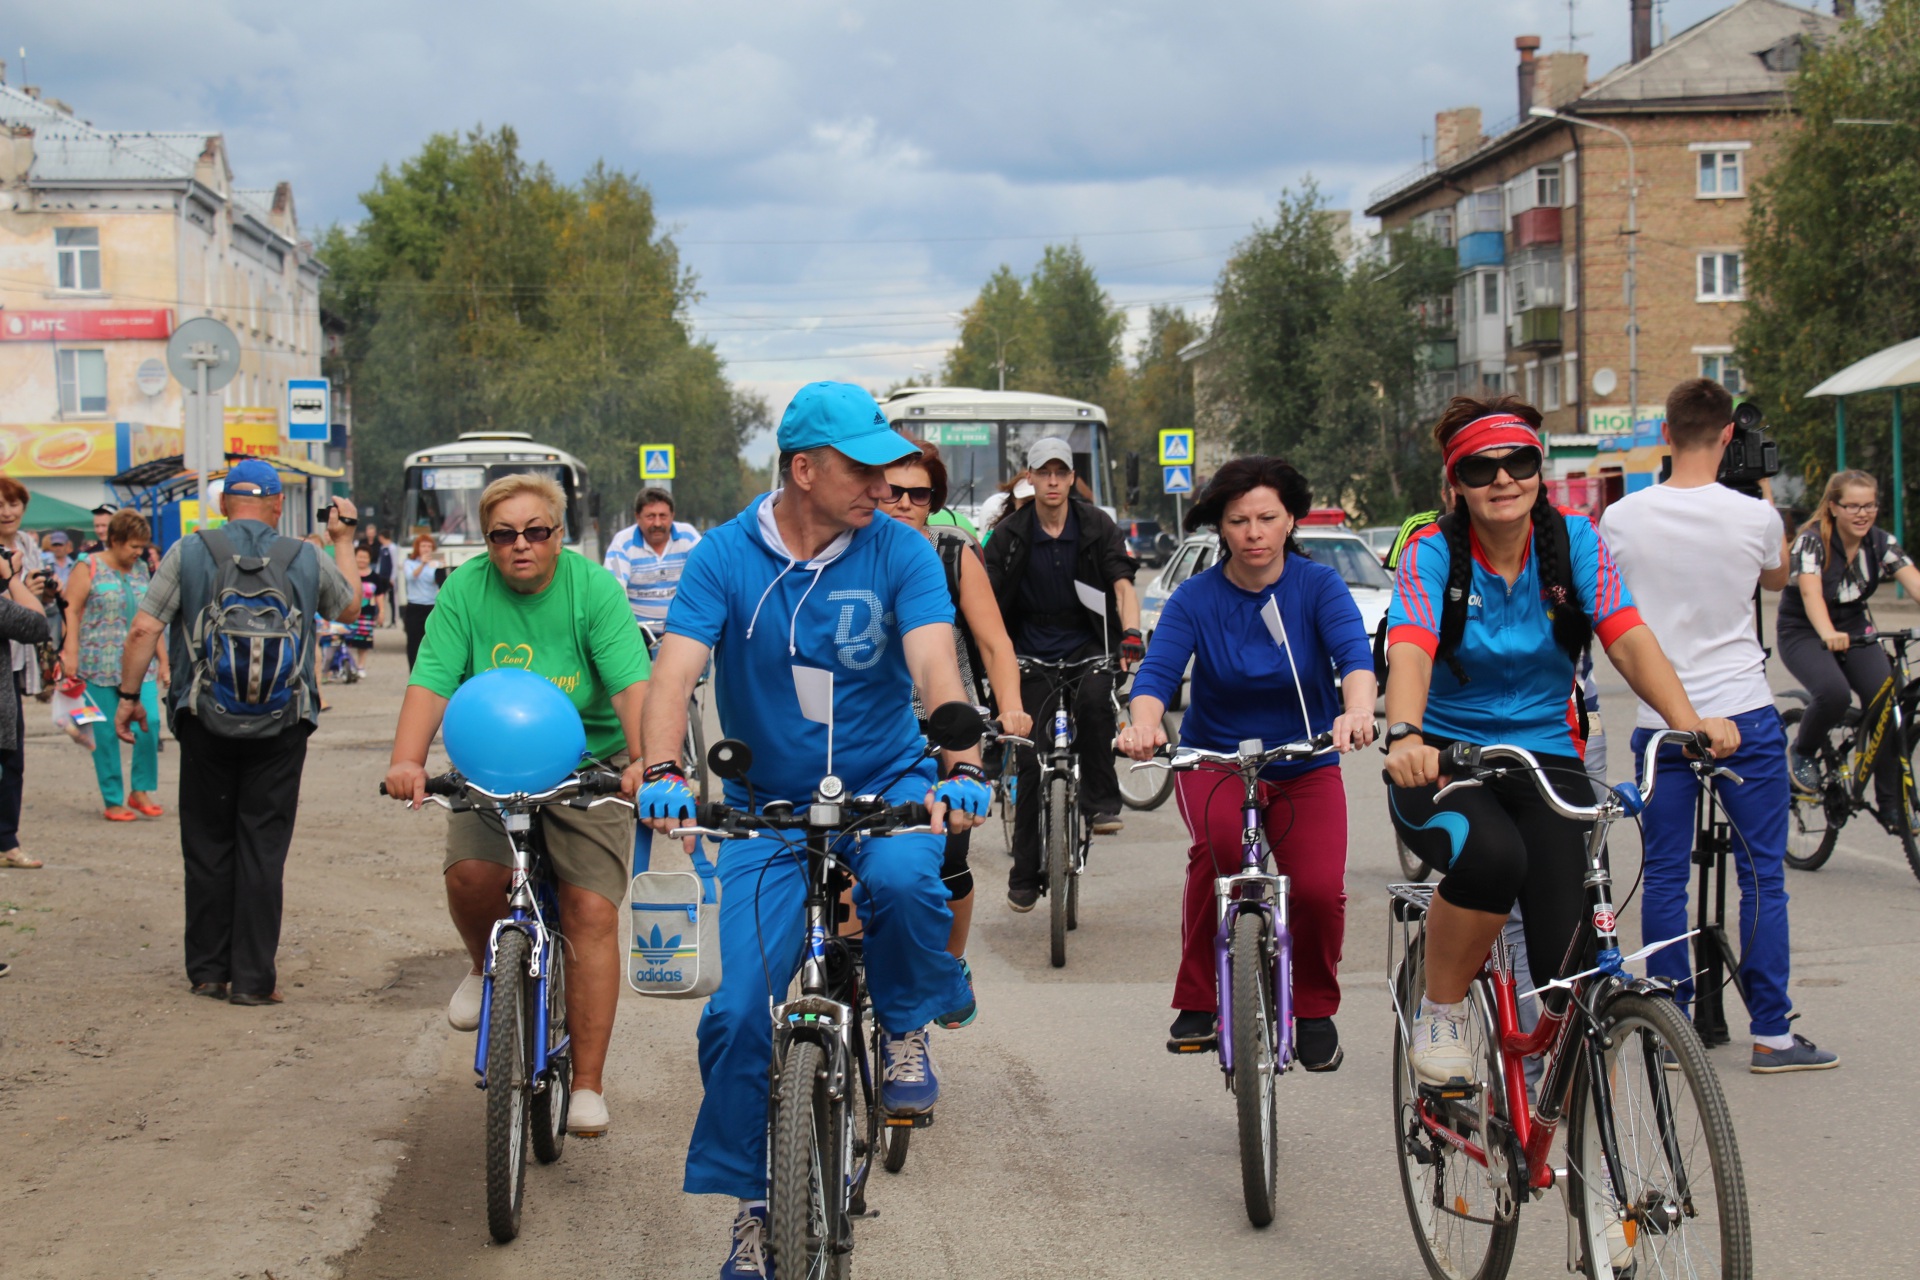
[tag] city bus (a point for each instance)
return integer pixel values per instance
(983, 437)
(443, 487)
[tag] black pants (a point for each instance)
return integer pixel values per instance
(1831, 680)
(1093, 728)
(237, 801)
(13, 762)
(1510, 847)
(415, 619)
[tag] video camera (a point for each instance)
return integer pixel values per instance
(1750, 457)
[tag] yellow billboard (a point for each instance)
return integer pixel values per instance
(59, 449)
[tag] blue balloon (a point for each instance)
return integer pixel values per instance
(510, 730)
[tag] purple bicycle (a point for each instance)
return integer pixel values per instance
(1253, 962)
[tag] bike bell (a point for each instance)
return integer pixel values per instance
(509, 730)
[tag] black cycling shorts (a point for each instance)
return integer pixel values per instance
(954, 871)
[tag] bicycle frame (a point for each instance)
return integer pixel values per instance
(1061, 760)
(1894, 711)
(532, 902)
(1253, 889)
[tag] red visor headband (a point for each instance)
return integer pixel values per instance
(1495, 431)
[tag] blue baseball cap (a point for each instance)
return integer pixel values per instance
(845, 417)
(253, 478)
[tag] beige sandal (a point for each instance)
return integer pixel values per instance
(18, 858)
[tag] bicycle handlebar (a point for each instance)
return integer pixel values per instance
(875, 817)
(1261, 755)
(597, 785)
(1467, 764)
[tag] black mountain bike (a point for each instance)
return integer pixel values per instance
(1848, 760)
(1065, 834)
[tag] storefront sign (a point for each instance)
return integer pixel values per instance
(84, 326)
(1616, 420)
(83, 448)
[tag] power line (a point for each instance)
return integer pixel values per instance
(1037, 235)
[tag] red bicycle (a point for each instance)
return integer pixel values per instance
(1652, 1182)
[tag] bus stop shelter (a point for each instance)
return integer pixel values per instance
(1894, 370)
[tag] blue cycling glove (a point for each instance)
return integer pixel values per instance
(665, 794)
(965, 789)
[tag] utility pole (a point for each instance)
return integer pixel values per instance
(1633, 252)
(999, 343)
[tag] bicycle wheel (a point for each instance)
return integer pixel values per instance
(1811, 831)
(1058, 850)
(1144, 788)
(509, 1058)
(696, 752)
(805, 1187)
(1410, 865)
(1909, 817)
(1080, 840)
(550, 1103)
(1465, 1214)
(1681, 1206)
(1255, 1069)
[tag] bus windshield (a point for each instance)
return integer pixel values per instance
(445, 501)
(981, 456)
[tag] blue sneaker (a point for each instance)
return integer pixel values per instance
(908, 1086)
(1805, 1055)
(1805, 772)
(748, 1258)
(966, 1013)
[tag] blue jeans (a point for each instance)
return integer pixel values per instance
(1758, 813)
(902, 904)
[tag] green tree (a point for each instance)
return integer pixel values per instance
(1000, 325)
(1833, 244)
(1157, 394)
(1081, 325)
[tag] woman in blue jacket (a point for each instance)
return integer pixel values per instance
(1279, 654)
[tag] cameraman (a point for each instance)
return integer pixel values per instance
(1693, 551)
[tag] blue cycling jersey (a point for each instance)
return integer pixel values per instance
(1519, 682)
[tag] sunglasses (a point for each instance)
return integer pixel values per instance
(507, 537)
(920, 495)
(1478, 471)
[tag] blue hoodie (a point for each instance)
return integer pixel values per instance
(763, 613)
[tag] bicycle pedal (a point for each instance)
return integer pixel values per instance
(920, 1121)
(1191, 1046)
(1451, 1092)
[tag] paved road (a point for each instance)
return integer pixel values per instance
(1070, 1143)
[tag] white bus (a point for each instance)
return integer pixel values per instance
(983, 437)
(443, 487)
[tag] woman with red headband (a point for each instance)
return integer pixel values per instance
(1538, 586)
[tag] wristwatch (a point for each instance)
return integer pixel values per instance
(1401, 729)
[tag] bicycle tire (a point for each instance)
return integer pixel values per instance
(1075, 873)
(550, 1104)
(1411, 865)
(509, 1053)
(1256, 1066)
(1482, 1242)
(1694, 1121)
(696, 751)
(1811, 831)
(805, 1188)
(1144, 789)
(1059, 804)
(1909, 818)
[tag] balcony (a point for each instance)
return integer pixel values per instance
(1536, 227)
(1441, 354)
(1535, 330)
(1482, 249)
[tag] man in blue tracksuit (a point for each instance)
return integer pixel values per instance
(809, 599)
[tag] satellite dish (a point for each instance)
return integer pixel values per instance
(1604, 382)
(203, 339)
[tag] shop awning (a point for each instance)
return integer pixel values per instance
(1896, 366)
(45, 512)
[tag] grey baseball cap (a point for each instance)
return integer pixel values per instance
(1049, 449)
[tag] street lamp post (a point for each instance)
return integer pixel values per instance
(1633, 254)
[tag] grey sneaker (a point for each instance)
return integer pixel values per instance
(1805, 1055)
(1805, 771)
(1022, 900)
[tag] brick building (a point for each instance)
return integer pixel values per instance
(108, 240)
(1537, 210)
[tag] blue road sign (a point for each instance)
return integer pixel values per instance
(309, 401)
(1176, 479)
(656, 462)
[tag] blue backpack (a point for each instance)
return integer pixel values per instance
(248, 659)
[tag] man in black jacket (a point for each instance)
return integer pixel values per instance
(1064, 582)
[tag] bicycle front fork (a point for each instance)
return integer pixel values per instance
(1277, 933)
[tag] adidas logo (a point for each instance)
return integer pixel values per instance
(654, 950)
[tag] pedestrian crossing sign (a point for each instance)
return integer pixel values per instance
(1176, 480)
(1176, 448)
(656, 462)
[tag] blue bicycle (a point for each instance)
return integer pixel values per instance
(523, 1056)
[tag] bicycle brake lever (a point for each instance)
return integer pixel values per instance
(1724, 772)
(709, 832)
(1452, 787)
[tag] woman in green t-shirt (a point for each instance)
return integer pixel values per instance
(534, 605)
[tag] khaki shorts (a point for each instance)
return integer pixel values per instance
(590, 848)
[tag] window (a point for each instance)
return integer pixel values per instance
(1569, 180)
(1546, 186)
(83, 381)
(1571, 289)
(1491, 378)
(1571, 394)
(1550, 385)
(1482, 211)
(76, 252)
(1536, 280)
(1533, 382)
(1720, 277)
(1720, 366)
(1490, 293)
(1720, 173)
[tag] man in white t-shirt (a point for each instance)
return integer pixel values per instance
(1692, 552)
(649, 555)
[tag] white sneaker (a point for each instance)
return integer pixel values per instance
(586, 1114)
(463, 1011)
(1440, 1054)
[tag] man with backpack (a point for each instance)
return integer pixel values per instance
(242, 600)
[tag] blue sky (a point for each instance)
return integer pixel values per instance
(842, 174)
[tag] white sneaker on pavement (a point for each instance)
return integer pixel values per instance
(1439, 1054)
(463, 1011)
(586, 1114)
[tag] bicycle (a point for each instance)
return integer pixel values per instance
(1253, 963)
(1147, 789)
(1065, 837)
(1849, 756)
(1653, 1182)
(693, 752)
(825, 1121)
(523, 1054)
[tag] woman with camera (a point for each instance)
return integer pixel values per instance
(1838, 562)
(23, 623)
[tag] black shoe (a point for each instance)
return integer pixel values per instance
(251, 1000)
(1892, 821)
(1022, 900)
(212, 990)
(1108, 824)
(1316, 1042)
(1191, 1032)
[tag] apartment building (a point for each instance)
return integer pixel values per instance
(1537, 210)
(108, 241)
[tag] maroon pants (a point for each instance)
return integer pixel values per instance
(1306, 824)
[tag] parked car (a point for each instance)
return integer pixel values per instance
(1380, 537)
(1148, 542)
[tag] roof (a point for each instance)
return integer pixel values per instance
(930, 397)
(1897, 366)
(17, 108)
(73, 152)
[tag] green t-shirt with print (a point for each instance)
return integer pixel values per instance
(578, 633)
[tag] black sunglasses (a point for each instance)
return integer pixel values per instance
(920, 495)
(507, 537)
(1478, 471)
